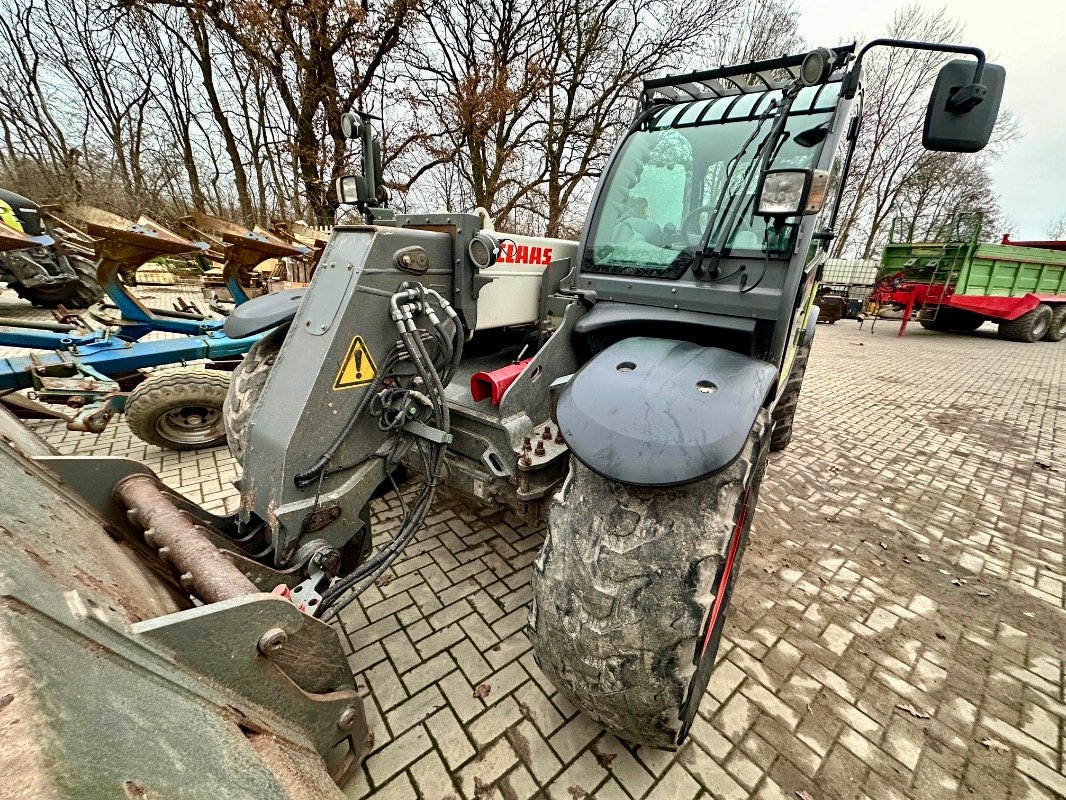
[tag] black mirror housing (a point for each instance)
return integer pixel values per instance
(351, 189)
(962, 113)
(791, 192)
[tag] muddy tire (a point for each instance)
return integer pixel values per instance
(1057, 331)
(1029, 327)
(80, 293)
(631, 588)
(247, 384)
(179, 409)
(785, 410)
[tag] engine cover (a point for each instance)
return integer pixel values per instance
(660, 412)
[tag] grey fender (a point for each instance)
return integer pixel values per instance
(660, 412)
(263, 313)
(811, 325)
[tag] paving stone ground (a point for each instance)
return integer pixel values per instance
(897, 630)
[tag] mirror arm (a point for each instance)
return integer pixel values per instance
(851, 80)
(852, 139)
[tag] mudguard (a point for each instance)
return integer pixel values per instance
(660, 412)
(263, 313)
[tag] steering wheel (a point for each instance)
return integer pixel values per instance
(622, 232)
(693, 217)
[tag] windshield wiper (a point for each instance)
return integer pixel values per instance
(762, 157)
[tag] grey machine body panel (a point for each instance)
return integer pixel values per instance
(661, 412)
(301, 411)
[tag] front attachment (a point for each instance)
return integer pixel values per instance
(659, 412)
(116, 683)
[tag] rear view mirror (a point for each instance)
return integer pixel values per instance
(962, 113)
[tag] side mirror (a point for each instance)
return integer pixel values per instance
(351, 189)
(791, 192)
(962, 113)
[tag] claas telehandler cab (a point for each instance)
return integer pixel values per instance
(626, 388)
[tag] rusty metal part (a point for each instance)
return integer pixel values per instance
(122, 246)
(349, 718)
(273, 641)
(204, 571)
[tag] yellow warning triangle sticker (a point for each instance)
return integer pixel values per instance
(358, 367)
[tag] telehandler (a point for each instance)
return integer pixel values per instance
(627, 388)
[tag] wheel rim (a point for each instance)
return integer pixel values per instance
(191, 424)
(1060, 329)
(1040, 326)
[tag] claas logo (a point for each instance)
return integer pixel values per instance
(511, 253)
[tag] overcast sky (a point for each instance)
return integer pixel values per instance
(1028, 37)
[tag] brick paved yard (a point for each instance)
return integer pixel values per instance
(897, 631)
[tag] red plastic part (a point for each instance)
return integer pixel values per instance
(494, 384)
(285, 593)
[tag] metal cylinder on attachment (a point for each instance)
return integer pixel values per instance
(204, 571)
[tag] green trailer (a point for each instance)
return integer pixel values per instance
(958, 282)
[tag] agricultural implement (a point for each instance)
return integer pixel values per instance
(98, 371)
(627, 387)
(958, 282)
(240, 251)
(49, 269)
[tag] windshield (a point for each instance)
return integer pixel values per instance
(665, 183)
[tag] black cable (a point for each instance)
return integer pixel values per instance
(346, 589)
(305, 477)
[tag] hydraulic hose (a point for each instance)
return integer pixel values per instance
(346, 589)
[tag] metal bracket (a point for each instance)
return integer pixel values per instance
(434, 435)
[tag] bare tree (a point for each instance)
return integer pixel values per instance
(1056, 228)
(321, 57)
(601, 51)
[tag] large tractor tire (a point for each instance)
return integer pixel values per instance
(80, 293)
(933, 325)
(949, 319)
(247, 384)
(785, 410)
(179, 409)
(631, 588)
(1029, 327)
(1057, 330)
